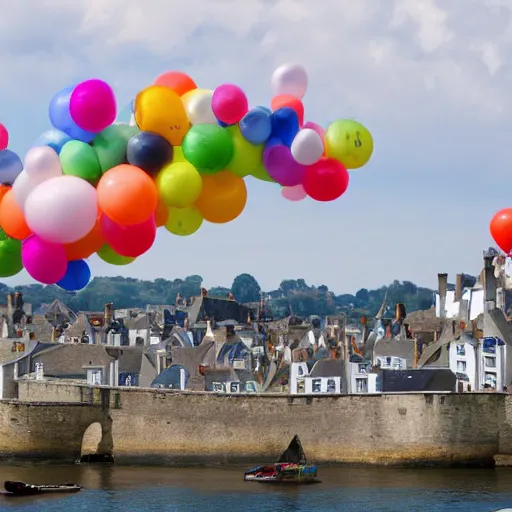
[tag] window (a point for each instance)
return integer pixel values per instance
(490, 362)
(461, 366)
(300, 371)
(94, 377)
(490, 378)
(331, 386)
(461, 350)
(317, 385)
(361, 385)
(361, 368)
(301, 386)
(396, 363)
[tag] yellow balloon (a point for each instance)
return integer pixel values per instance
(246, 156)
(261, 174)
(349, 142)
(160, 110)
(198, 105)
(184, 221)
(179, 184)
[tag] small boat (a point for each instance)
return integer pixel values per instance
(23, 489)
(291, 468)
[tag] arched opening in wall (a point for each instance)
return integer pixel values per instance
(91, 445)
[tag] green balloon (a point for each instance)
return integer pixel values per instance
(208, 147)
(79, 159)
(10, 256)
(110, 145)
(247, 157)
(108, 255)
(261, 174)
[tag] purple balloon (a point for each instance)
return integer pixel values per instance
(282, 167)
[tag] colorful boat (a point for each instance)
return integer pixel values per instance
(291, 468)
(23, 489)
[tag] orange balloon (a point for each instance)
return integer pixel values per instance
(3, 190)
(12, 219)
(177, 81)
(223, 197)
(127, 195)
(287, 100)
(88, 245)
(161, 214)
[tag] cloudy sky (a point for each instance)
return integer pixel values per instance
(429, 78)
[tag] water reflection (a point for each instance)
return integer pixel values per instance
(348, 489)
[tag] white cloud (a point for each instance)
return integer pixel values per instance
(431, 78)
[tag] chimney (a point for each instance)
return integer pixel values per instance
(458, 287)
(10, 314)
(489, 280)
(400, 312)
(108, 314)
(18, 300)
(442, 280)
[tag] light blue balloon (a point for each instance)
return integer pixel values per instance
(256, 125)
(77, 276)
(10, 166)
(53, 138)
(60, 116)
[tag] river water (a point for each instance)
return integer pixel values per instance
(347, 489)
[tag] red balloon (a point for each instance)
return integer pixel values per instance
(130, 241)
(501, 229)
(326, 180)
(287, 100)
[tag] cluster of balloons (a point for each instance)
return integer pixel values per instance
(90, 185)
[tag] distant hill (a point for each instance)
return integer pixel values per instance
(294, 296)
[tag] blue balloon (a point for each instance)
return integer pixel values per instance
(149, 151)
(10, 166)
(285, 125)
(256, 125)
(77, 276)
(53, 138)
(60, 116)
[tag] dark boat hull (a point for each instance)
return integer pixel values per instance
(23, 489)
(286, 482)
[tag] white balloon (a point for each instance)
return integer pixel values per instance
(307, 147)
(290, 79)
(43, 162)
(21, 188)
(198, 105)
(62, 210)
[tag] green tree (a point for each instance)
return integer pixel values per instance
(245, 288)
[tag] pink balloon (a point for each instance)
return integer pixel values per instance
(229, 103)
(318, 129)
(296, 193)
(45, 262)
(93, 105)
(4, 137)
(282, 167)
(130, 241)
